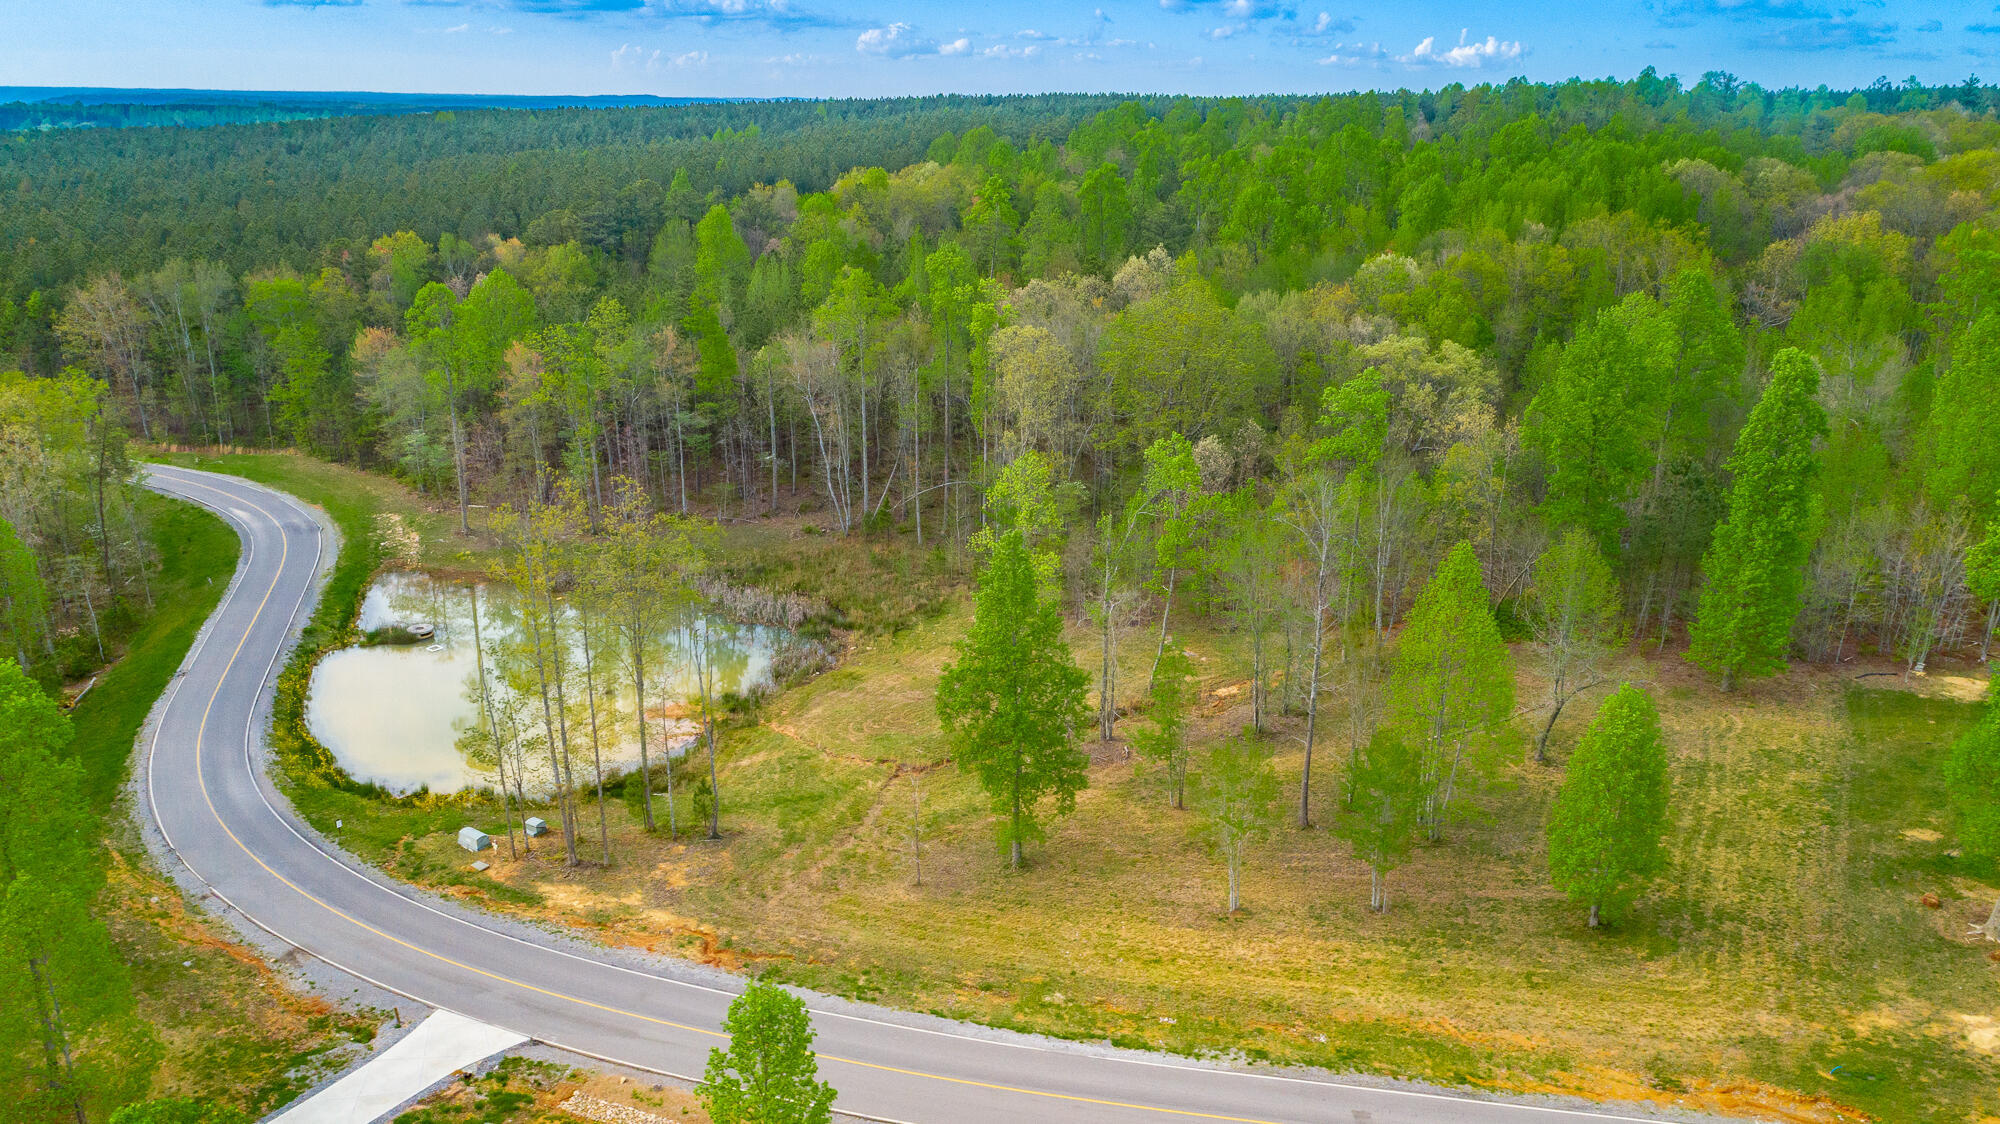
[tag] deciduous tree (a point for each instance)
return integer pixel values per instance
(1604, 831)
(1574, 603)
(768, 1075)
(1451, 690)
(1236, 794)
(1386, 780)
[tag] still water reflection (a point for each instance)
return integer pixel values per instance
(395, 715)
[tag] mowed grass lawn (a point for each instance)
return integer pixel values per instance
(1785, 966)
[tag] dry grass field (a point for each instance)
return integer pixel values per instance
(1785, 966)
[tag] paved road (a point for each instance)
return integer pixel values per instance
(221, 816)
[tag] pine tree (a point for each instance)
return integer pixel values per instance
(1755, 567)
(1451, 689)
(1604, 832)
(768, 1075)
(1014, 699)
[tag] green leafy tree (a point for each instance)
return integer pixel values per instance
(1182, 362)
(1013, 700)
(1982, 578)
(1604, 831)
(1597, 422)
(1964, 430)
(69, 1042)
(1025, 497)
(1106, 216)
(1236, 794)
(1386, 782)
(1165, 742)
(1451, 689)
(1755, 567)
(1972, 782)
(768, 1075)
(24, 600)
(1171, 494)
(434, 331)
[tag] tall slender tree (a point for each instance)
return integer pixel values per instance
(1452, 687)
(1754, 572)
(1575, 605)
(1014, 698)
(1236, 794)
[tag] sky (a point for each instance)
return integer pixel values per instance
(827, 48)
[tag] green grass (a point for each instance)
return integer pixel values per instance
(197, 555)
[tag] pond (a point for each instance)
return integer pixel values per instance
(398, 715)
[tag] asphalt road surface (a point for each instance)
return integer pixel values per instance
(220, 815)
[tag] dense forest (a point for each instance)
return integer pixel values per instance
(45, 107)
(1558, 304)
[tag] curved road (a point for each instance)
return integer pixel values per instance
(219, 814)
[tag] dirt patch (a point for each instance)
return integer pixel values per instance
(166, 910)
(401, 545)
(1729, 1098)
(1922, 835)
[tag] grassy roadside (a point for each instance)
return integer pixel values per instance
(232, 1032)
(1786, 967)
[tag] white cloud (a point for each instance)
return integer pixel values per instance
(1465, 55)
(1003, 51)
(631, 56)
(881, 40)
(1326, 23)
(1031, 33)
(894, 41)
(1225, 31)
(1355, 54)
(956, 47)
(459, 28)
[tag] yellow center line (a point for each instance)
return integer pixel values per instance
(201, 779)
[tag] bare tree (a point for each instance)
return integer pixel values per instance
(1574, 602)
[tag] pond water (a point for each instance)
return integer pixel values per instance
(396, 715)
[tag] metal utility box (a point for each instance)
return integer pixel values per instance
(536, 825)
(474, 840)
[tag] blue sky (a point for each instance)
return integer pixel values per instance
(887, 47)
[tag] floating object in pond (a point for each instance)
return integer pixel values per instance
(536, 825)
(435, 648)
(421, 631)
(474, 840)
